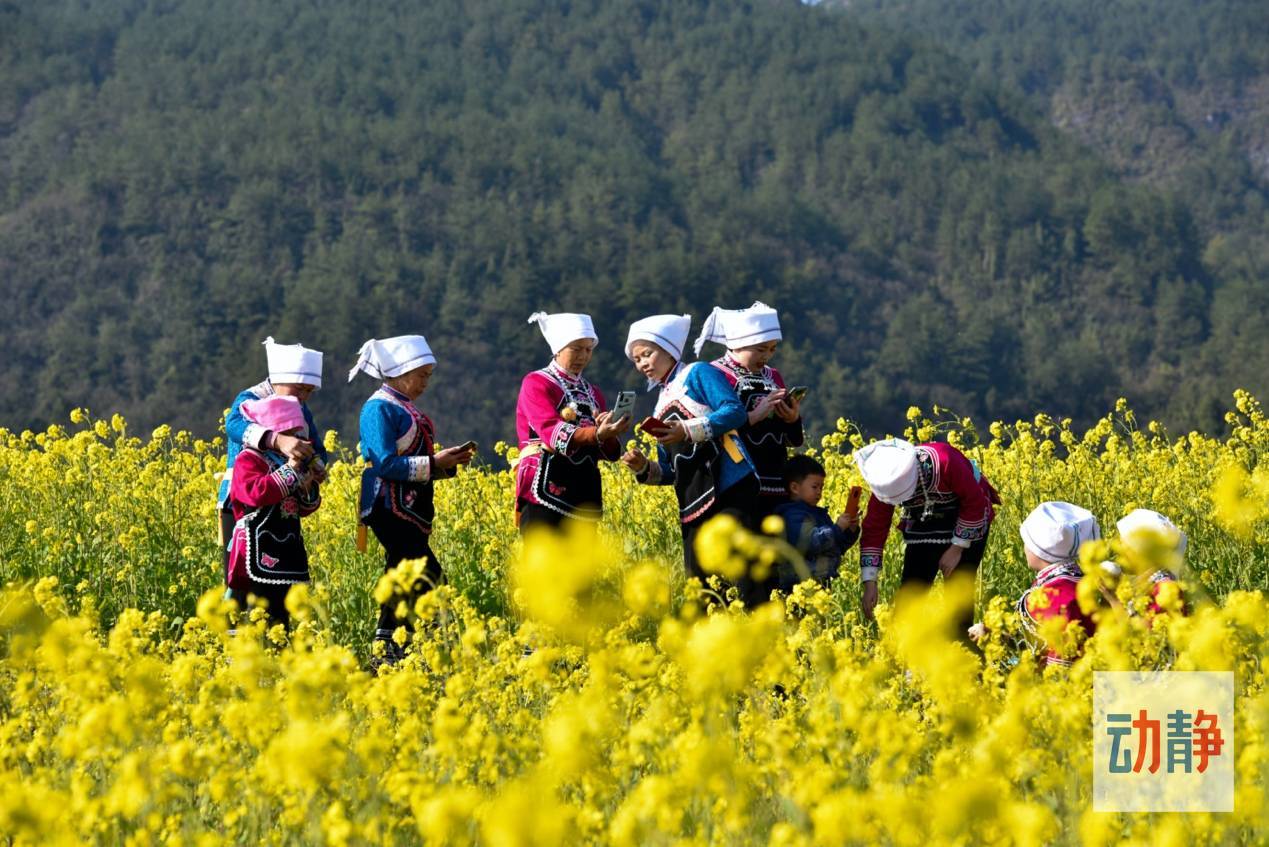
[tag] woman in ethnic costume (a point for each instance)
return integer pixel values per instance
(775, 422)
(294, 371)
(946, 513)
(396, 489)
(268, 495)
(564, 430)
(699, 453)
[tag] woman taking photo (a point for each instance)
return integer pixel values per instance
(564, 430)
(698, 451)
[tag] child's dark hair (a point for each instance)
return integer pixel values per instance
(799, 467)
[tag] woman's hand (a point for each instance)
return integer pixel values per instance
(634, 460)
(950, 559)
(869, 600)
(789, 409)
(317, 470)
(292, 446)
(451, 457)
(607, 428)
(767, 405)
(675, 434)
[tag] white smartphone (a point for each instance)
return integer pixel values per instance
(624, 407)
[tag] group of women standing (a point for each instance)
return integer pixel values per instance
(723, 431)
(723, 428)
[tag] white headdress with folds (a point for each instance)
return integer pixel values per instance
(293, 363)
(1148, 520)
(890, 469)
(1055, 531)
(561, 330)
(387, 357)
(738, 328)
(669, 332)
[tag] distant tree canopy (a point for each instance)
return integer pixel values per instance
(179, 179)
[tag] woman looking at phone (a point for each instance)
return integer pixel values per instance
(564, 429)
(775, 418)
(698, 451)
(402, 467)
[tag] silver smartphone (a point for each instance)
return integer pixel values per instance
(624, 406)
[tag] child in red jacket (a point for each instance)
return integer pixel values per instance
(1052, 536)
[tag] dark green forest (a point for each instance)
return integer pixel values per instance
(181, 178)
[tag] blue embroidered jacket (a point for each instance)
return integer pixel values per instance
(397, 441)
(712, 410)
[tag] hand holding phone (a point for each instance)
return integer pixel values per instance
(654, 426)
(851, 513)
(624, 406)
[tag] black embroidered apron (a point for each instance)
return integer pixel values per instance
(571, 485)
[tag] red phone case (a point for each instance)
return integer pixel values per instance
(653, 426)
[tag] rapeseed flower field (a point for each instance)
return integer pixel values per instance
(568, 690)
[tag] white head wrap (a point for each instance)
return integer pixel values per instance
(293, 363)
(1055, 531)
(563, 329)
(1139, 520)
(392, 356)
(669, 332)
(738, 328)
(890, 469)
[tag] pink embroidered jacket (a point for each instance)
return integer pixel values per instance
(559, 449)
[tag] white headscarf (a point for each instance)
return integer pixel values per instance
(293, 363)
(392, 356)
(738, 328)
(1055, 531)
(890, 469)
(1148, 520)
(561, 330)
(669, 332)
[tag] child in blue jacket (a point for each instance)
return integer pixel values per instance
(821, 540)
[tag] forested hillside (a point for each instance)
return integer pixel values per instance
(179, 179)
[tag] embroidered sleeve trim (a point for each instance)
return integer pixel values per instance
(968, 532)
(868, 573)
(698, 429)
(420, 468)
(287, 477)
(563, 437)
(254, 435)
